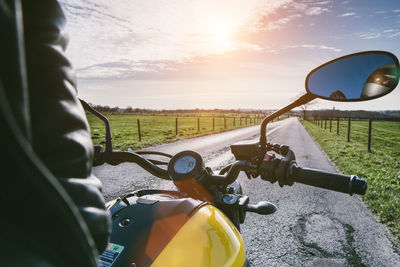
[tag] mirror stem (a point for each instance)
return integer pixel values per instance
(307, 97)
(88, 108)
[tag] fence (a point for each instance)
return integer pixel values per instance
(138, 130)
(361, 128)
(228, 123)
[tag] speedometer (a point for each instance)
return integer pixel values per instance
(184, 165)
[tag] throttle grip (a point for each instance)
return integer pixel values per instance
(332, 181)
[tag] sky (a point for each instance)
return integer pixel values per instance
(171, 54)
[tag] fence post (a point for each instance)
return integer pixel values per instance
(176, 126)
(337, 127)
(234, 122)
(213, 124)
(198, 125)
(348, 130)
(325, 123)
(322, 122)
(330, 124)
(225, 122)
(240, 121)
(369, 134)
(246, 120)
(138, 127)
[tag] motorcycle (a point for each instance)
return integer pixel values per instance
(198, 224)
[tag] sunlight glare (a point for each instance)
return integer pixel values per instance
(220, 39)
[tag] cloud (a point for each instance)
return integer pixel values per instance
(380, 12)
(388, 30)
(349, 14)
(315, 11)
(125, 37)
(272, 25)
(154, 31)
(370, 35)
(322, 3)
(313, 46)
(284, 12)
(379, 33)
(396, 10)
(124, 69)
(394, 35)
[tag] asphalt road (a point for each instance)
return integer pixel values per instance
(312, 227)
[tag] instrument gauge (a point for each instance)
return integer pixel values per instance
(185, 164)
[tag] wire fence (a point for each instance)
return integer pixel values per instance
(144, 127)
(363, 130)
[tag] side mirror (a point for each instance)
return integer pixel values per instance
(356, 77)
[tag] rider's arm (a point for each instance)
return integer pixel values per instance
(60, 132)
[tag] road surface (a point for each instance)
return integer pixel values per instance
(312, 227)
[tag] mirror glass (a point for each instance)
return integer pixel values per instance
(355, 78)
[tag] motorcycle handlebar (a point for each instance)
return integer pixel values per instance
(117, 157)
(332, 181)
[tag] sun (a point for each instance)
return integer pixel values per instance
(220, 34)
(220, 39)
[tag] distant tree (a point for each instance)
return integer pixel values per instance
(128, 109)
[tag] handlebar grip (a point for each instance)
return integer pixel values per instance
(332, 181)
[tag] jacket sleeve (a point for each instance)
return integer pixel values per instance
(60, 132)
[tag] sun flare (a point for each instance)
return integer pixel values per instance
(220, 38)
(220, 34)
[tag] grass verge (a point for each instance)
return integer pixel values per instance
(381, 168)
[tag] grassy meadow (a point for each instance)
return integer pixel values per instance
(381, 167)
(158, 129)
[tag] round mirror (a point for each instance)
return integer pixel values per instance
(355, 77)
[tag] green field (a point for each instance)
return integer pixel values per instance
(158, 129)
(381, 167)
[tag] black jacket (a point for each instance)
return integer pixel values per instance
(47, 149)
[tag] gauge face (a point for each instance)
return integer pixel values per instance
(184, 165)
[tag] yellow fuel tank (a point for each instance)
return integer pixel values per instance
(208, 238)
